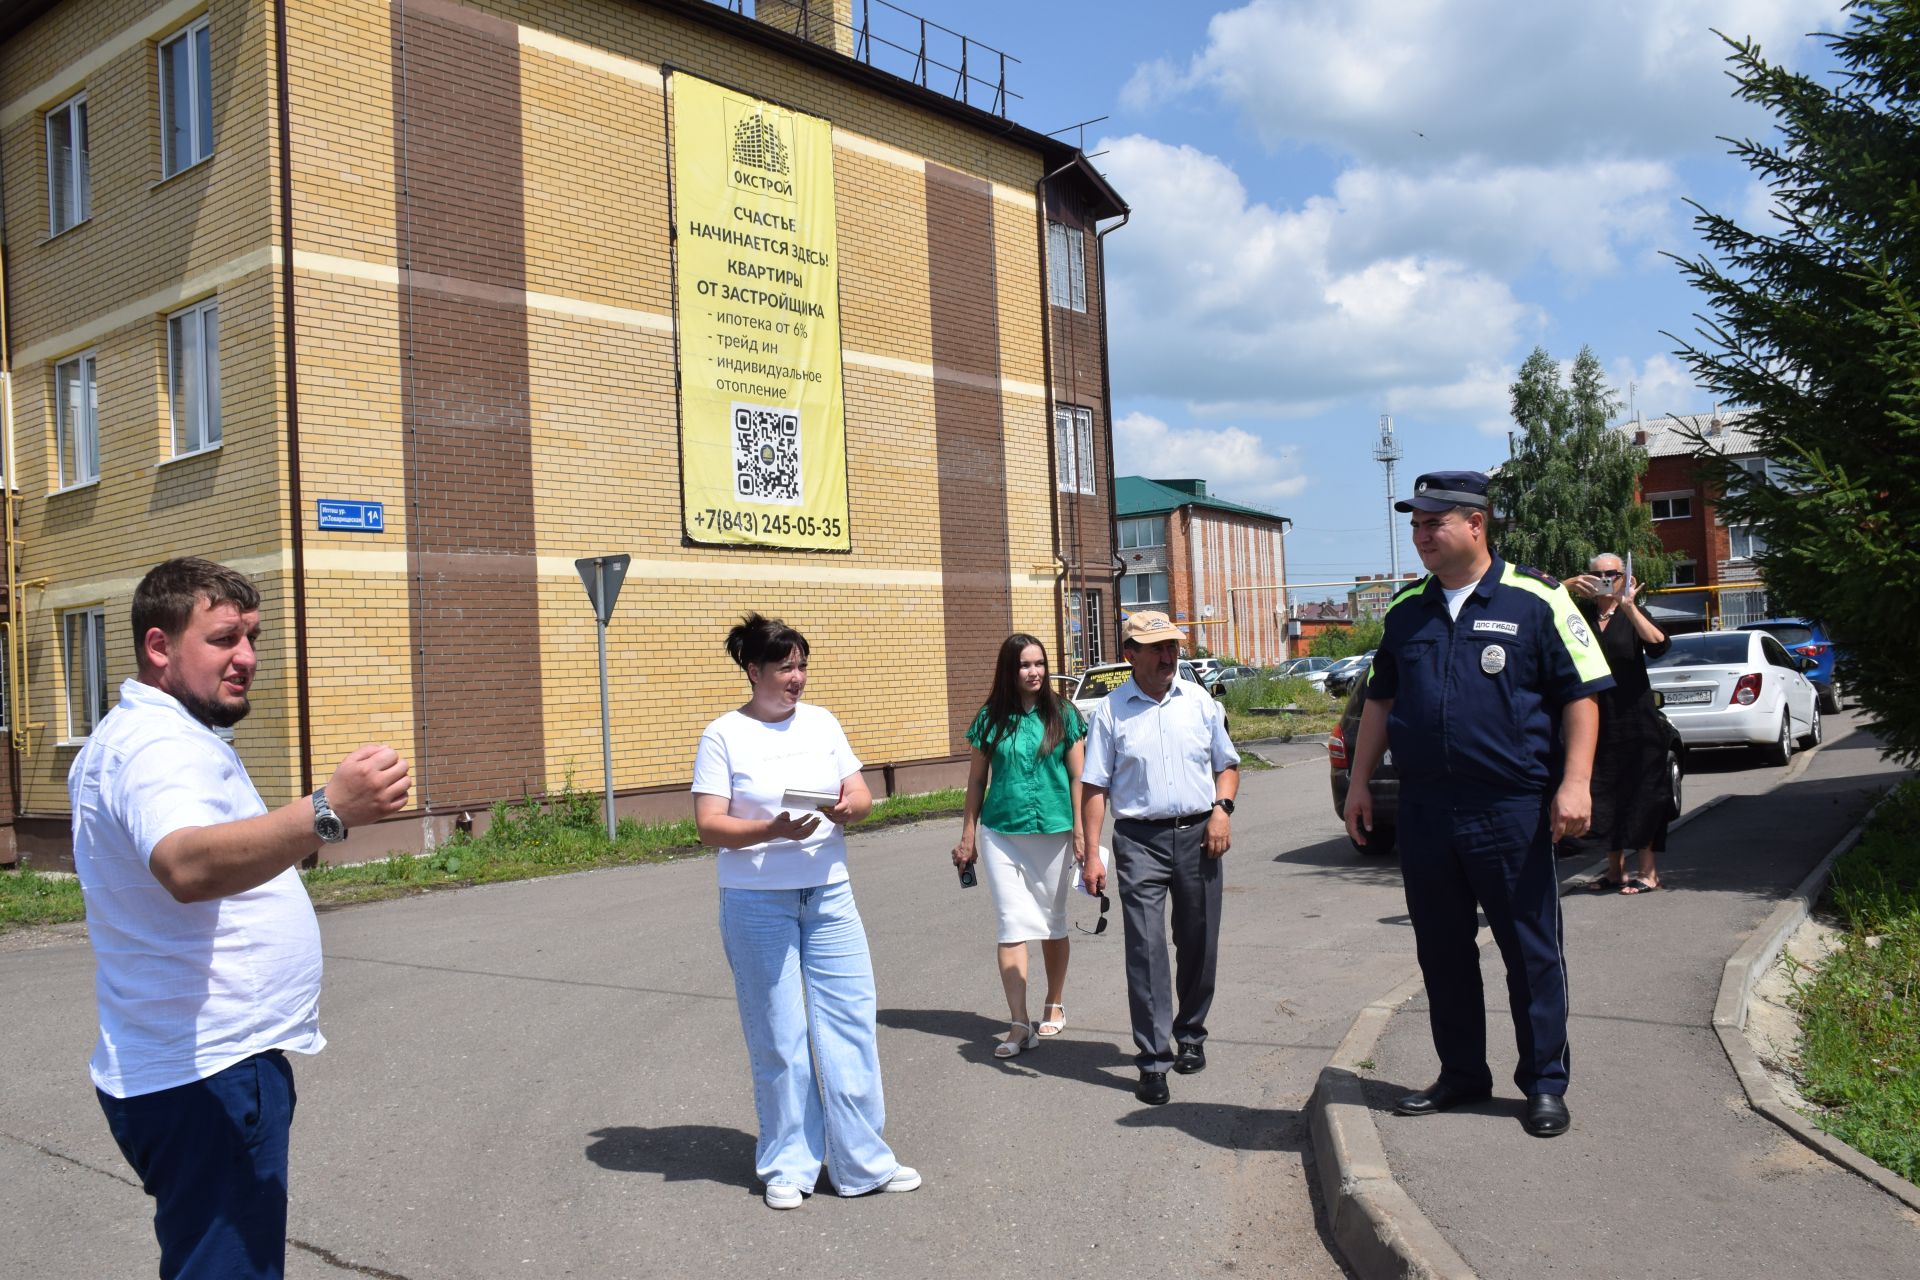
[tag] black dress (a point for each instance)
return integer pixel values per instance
(1632, 795)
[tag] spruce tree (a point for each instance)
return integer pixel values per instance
(1570, 489)
(1815, 329)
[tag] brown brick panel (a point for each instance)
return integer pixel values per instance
(970, 436)
(472, 561)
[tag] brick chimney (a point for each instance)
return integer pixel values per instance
(828, 23)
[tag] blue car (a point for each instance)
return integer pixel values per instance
(1804, 639)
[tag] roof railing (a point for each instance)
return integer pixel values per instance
(932, 43)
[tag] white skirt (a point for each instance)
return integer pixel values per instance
(1029, 877)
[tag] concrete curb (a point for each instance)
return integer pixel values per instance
(1743, 970)
(1380, 1232)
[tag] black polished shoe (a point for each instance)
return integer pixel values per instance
(1192, 1058)
(1440, 1096)
(1546, 1115)
(1152, 1088)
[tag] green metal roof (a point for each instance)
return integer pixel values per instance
(1139, 496)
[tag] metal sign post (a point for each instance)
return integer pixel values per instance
(603, 576)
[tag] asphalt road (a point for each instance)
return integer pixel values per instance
(548, 1079)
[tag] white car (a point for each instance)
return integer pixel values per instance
(1737, 688)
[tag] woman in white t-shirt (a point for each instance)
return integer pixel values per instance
(801, 972)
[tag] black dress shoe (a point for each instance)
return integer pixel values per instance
(1440, 1096)
(1190, 1059)
(1546, 1115)
(1152, 1088)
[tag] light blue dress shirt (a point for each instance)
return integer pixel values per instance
(1158, 759)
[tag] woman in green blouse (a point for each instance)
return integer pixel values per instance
(1023, 823)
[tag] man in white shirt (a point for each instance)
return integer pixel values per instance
(206, 947)
(1159, 746)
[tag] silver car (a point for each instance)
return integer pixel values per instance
(1737, 689)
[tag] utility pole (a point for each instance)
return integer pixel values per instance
(1387, 452)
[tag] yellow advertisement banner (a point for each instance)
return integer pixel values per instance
(763, 437)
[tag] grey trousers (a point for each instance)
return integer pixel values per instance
(1155, 863)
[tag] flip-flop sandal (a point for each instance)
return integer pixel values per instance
(1603, 884)
(1636, 886)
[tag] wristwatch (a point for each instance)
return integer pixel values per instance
(1224, 804)
(326, 823)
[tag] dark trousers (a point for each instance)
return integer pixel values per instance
(1458, 852)
(213, 1155)
(1155, 863)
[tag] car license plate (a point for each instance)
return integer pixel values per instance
(1685, 697)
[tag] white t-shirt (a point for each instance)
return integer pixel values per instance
(753, 764)
(185, 989)
(1457, 596)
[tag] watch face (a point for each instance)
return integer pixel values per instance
(329, 828)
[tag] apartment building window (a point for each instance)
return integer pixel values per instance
(1672, 506)
(1685, 573)
(76, 421)
(1083, 627)
(193, 377)
(1143, 591)
(1745, 541)
(1073, 447)
(1067, 266)
(84, 636)
(69, 177)
(186, 100)
(1150, 531)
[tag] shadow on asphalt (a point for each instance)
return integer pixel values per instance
(678, 1153)
(1065, 1056)
(1226, 1124)
(1338, 857)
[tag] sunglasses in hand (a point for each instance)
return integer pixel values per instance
(1100, 925)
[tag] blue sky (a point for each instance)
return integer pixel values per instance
(1344, 208)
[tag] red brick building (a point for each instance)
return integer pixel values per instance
(1214, 566)
(1714, 580)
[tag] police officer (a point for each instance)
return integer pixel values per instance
(1484, 669)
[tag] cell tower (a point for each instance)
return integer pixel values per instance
(1387, 452)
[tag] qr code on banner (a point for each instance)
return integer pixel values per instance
(766, 454)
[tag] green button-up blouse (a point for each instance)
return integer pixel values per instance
(1028, 795)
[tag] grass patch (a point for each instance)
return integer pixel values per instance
(535, 837)
(1317, 712)
(1860, 1010)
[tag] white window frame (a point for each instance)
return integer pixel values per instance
(83, 435)
(1655, 500)
(1756, 542)
(1129, 533)
(1145, 599)
(68, 208)
(1066, 266)
(1692, 578)
(201, 430)
(199, 132)
(1090, 628)
(90, 681)
(1073, 448)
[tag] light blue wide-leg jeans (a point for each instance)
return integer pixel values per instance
(804, 983)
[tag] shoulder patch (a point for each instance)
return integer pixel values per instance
(1536, 575)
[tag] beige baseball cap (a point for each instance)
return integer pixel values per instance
(1150, 627)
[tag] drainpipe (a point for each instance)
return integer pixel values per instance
(303, 707)
(1060, 648)
(1106, 407)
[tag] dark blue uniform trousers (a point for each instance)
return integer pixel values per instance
(213, 1155)
(1457, 851)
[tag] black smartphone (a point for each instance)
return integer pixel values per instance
(967, 877)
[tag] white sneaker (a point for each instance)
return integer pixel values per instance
(782, 1196)
(903, 1179)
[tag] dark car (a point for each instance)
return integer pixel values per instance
(1342, 674)
(1805, 639)
(1385, 784)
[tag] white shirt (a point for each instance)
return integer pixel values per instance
(185, 989)
(1158, 759)
(1457, 596)
(754, 764)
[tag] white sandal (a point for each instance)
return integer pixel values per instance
(1054, 1026)
(1007, 1048)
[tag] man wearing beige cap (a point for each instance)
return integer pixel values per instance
(1158, 745)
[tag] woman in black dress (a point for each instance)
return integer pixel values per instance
(1631, 792)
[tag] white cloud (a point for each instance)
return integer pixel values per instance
(1414, 81)
(1234, 306)
(1656, 387)
(1481, 396)
(1235, 463)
